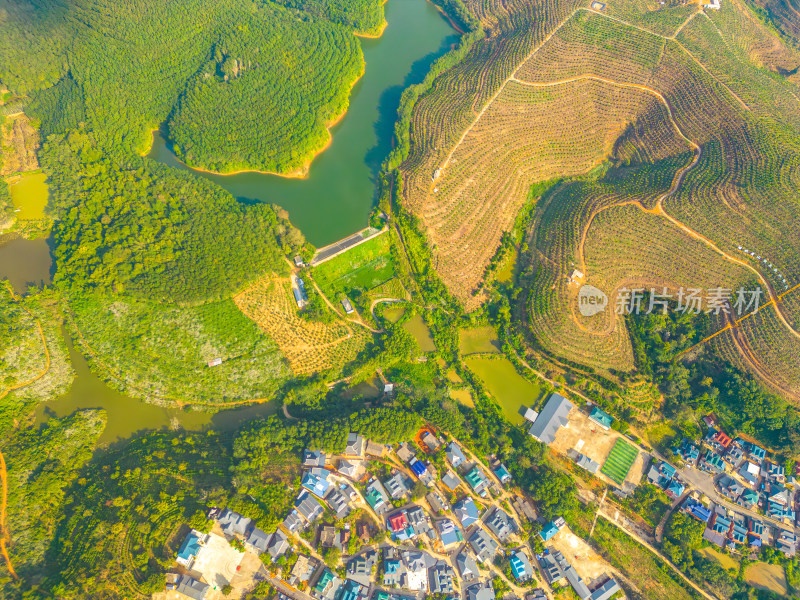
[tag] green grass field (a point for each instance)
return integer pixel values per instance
(358, 270)
(620, 460)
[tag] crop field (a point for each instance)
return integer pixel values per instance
(529, 134)
(592, 44)
(150, 350)
(766, 577)
(359, 269)
(514, 28)
(309, 346)
(620, 461)
(663, 20)
(763, 345)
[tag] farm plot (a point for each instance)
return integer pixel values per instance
(651, 15)
(357, 270)
(528, 134)
(308, 346)
(592, 44)
(513, 29)
(620, 461)
(742, 192)
(763, 345)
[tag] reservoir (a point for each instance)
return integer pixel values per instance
(333, 202)
(337, 197)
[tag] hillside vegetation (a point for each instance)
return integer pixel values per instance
(239, 86)
(686, 119)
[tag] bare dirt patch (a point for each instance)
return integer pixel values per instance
(588, 563)
(766, 577)
(586, 437)
(19, 142)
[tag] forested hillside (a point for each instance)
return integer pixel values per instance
(279, 75)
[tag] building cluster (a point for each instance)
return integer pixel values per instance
(556, 569)
(442, 530)
(745, 477)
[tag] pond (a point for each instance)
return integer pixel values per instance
(336, 198)
(24, 262)
(127, 416)
(419, 330)
(29, 194)
(478, 340)
(511, 391)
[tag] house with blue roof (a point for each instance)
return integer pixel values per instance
(675, 489)
(502, 474)
(190, 547)
(601, 417)
(521, 566)
(700, 512)
(739, 533)
(449, 533)
(748, 499)
(466, 512)
(477, 480)
(548, 531)
(712, 462)
(722, 525)
(316, 481)
(418, 467)
(352, 590)
(688, 452)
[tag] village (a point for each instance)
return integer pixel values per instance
(426, 517)
(378, 522)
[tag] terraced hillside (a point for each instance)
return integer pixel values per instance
(677, 115)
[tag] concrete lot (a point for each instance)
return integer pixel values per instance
(217, 561)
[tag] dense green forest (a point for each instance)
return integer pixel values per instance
(42, 462)
(179, 342)
(363, 16)
(130, 225)
(264, 99)
(706, 382)
(238, 79)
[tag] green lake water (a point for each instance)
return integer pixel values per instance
(336, 199)
(29, 194)
(507, 387)
(24, 262)
(127, 416)
(417, 328)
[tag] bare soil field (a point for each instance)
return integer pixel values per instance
(588, 563)
(767, 577)
(308, 346)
